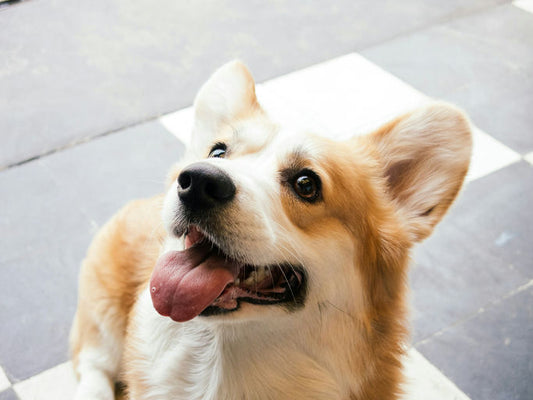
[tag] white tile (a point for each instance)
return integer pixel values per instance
(179, 123)
(4, 382)
(526, 5)
(343, 97)
(58, 383)
(351, 95)
(489, 155)
(339, 98)
(529, 158)
(424, 381)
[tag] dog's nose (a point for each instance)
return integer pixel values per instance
(202, 186)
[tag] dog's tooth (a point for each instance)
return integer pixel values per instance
(262, 273)
(250, 279)
(258, 274)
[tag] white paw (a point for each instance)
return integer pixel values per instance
(95, 386)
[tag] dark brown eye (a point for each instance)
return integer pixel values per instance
(306, 185)
(218, 150)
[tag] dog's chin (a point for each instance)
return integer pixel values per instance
(253, 289)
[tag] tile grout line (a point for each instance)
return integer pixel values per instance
(78, 142)
(476, 313)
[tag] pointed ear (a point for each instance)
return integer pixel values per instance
(425, 156)
(229, 94)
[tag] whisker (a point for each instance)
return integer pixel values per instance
(338, 308)
(287, 280)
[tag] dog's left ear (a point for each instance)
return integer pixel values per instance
(228, 95)
(425, 155)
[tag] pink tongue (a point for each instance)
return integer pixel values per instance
(184, 283)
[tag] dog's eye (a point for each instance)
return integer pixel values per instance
(218, 150)
(306, 185)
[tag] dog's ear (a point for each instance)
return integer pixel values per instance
(425, 155)
(228, 95)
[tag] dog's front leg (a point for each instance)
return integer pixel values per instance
(118, 263)
(94, 369)
(96, 348)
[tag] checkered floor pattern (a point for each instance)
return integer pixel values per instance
(472, 281)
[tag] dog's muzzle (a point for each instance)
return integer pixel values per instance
(211, 275)
(203, 186)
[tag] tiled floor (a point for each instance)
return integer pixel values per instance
(472, 280)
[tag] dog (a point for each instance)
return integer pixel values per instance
(274, 266)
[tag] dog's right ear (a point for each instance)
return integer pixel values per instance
(228, 95)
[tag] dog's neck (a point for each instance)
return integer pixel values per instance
(299, 356)
(250, 354)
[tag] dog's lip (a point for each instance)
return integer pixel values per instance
(193, 235)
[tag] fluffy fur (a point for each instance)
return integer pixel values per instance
(379, 194)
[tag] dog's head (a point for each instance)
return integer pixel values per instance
(275, 221)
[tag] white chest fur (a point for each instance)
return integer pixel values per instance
(194, 360)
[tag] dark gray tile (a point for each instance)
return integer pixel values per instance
(105, 173)
(38, 254)
(481, 251)
(490, 356)
(50, 209)
(70, 70)
(8, 394)
(482, 62)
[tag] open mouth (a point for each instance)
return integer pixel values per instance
(203, 280)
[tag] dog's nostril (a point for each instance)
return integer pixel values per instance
(219, 190)
(184, 180)
(211, 189)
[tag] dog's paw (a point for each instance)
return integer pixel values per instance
(95, 387)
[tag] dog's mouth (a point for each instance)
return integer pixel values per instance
(203, 280)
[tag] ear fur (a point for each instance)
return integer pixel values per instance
(229, 94)
(425, 156)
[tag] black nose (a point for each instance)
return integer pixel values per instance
(202, 186)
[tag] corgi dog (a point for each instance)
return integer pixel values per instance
(274, 266)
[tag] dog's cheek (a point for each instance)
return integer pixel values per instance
(305, 216)
(330, 260)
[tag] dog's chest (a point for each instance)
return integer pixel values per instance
(183, 372)
(188, 361)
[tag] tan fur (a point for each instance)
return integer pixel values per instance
(384, 191)
(118, 264)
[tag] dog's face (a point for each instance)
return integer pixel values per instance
(275, 221)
